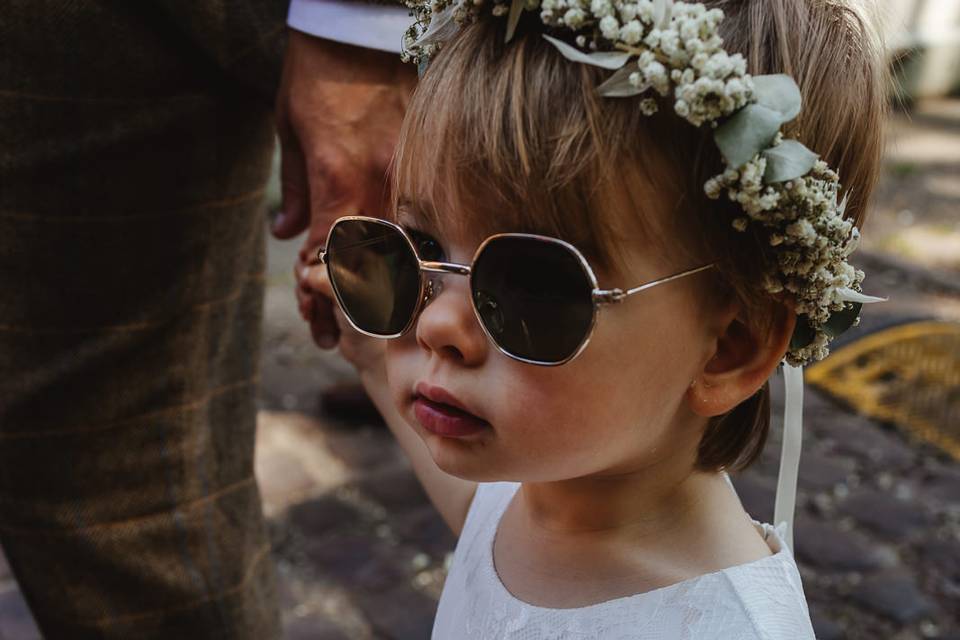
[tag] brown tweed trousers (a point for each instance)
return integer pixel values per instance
(135, 143)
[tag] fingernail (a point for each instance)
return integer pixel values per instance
(327, 341)
(305, 273)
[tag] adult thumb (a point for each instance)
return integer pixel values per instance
(294, 215)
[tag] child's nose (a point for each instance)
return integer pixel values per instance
(448, 326)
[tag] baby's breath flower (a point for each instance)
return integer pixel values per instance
(631, 32)
(648, 106)
(601, 8)
(609, 27)
(628, 11)
(573, 18)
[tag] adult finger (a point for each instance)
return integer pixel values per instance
(294, 215)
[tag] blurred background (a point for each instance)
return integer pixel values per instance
(361, 553)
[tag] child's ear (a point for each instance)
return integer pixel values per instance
(743, 358)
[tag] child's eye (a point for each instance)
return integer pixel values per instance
(427, 247)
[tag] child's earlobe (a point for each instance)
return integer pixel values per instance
(744, 357)
(708, 399)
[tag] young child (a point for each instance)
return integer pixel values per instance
(585, 291)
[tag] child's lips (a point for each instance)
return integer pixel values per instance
(440, 412)
(446, 420)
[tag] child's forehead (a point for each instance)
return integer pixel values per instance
(609, 245)
(479, 220)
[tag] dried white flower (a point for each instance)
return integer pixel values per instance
(631, 32)
(573, 18)
(601, 8)
(610, 28)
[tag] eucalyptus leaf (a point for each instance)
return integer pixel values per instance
(605, 59)
(778, 92)
(803, 333)
(747, 133)
(661, 13)
(442, 27)
(618, 85)
(516, 8)
(849, 295)
(788, 160)
(842, 320)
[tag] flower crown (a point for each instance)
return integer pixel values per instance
(673, 49)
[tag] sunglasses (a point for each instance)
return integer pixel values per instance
(536, 297)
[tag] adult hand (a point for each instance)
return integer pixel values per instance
(339, 111)
(366, 354)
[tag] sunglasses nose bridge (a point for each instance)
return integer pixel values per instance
(445, 267)
(434, 285)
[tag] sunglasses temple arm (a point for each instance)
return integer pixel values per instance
(616, 295)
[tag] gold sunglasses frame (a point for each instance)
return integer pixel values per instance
(600, 297)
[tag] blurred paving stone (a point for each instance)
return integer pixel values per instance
(885, 514)
(857, 436)
(825, 546)
(318, 516)
(281, 476)
(382, 573)
(818, 408)
(342, 556)
(365, 448)
(894, 596)
(285, 387)
(16, 621)
(312, 627)
(397, 490)
(757, 494)
(304, 438)
(944, 483)
(400, 613)
(350, 403)
(824, 627)
(820, 473)
(287, 585)
(943, 555)
(425, 529)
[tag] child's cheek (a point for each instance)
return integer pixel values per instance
(401, 374)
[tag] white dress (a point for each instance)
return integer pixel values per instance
(759, 600)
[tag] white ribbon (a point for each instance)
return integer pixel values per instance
(785, 503)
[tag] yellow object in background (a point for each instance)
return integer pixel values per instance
(907, 374)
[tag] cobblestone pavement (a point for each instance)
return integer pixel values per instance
(361, 553)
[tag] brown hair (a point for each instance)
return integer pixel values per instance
(500, 124)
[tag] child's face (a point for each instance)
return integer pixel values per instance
(616, 408)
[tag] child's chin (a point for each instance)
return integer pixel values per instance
(462, 462)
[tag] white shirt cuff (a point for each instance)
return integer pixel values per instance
(366, 25)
